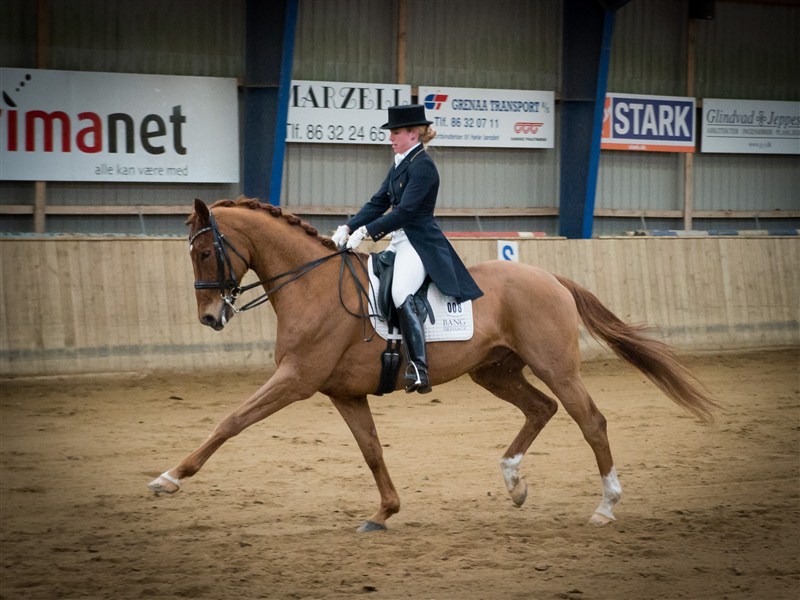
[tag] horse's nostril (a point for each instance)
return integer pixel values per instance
(209, 320)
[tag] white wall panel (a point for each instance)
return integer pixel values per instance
(703, 294)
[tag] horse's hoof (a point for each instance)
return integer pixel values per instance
(600, 520)
(519, 493)
(165, 484)
(371, 526)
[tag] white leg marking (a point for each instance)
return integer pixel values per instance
(173, 480)
(510, 467)
(517, 488)
(160, 484)
(612, 492)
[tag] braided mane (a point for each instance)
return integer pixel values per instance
(278, 213)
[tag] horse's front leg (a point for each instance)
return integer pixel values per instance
(357, 415)
(282, 389)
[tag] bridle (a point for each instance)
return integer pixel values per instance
(223, 259)
(230, 289)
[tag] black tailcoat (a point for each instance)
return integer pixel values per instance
(410, 191)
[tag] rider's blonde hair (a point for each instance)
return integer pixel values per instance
(426, 134)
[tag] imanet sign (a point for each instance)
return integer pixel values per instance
(85, 126)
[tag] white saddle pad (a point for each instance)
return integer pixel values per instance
(453, 319)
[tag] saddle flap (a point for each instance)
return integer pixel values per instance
(383, 269)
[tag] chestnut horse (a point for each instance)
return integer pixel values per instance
(527, 317)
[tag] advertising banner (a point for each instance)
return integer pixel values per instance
(751, 126)
(489, 118)
(83, 126)
(649, 123)
(328, 112)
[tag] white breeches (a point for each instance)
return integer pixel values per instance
(409, 273)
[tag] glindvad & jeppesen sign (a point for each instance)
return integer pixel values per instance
(83, 126)
(751, 126)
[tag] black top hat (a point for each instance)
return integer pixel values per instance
(408, 115)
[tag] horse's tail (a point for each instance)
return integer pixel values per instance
(655, 359)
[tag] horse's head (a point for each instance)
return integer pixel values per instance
(218, 267)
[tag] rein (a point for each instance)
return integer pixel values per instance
(221, 244)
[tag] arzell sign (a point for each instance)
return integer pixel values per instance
(82, 126)
(650, 123)
(331, 112)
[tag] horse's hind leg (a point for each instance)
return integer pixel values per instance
(357, 415)
(579, 404)
(504, 379)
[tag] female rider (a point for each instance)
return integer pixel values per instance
(410, 191)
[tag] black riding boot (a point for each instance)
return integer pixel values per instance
(411, 327)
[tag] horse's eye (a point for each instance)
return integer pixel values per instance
(205, 255)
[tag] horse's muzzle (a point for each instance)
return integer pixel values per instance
(212, 322)
(217, 322)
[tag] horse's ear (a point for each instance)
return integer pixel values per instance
(201, 210)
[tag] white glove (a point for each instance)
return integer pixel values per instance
(340, 237)
(356, 238)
